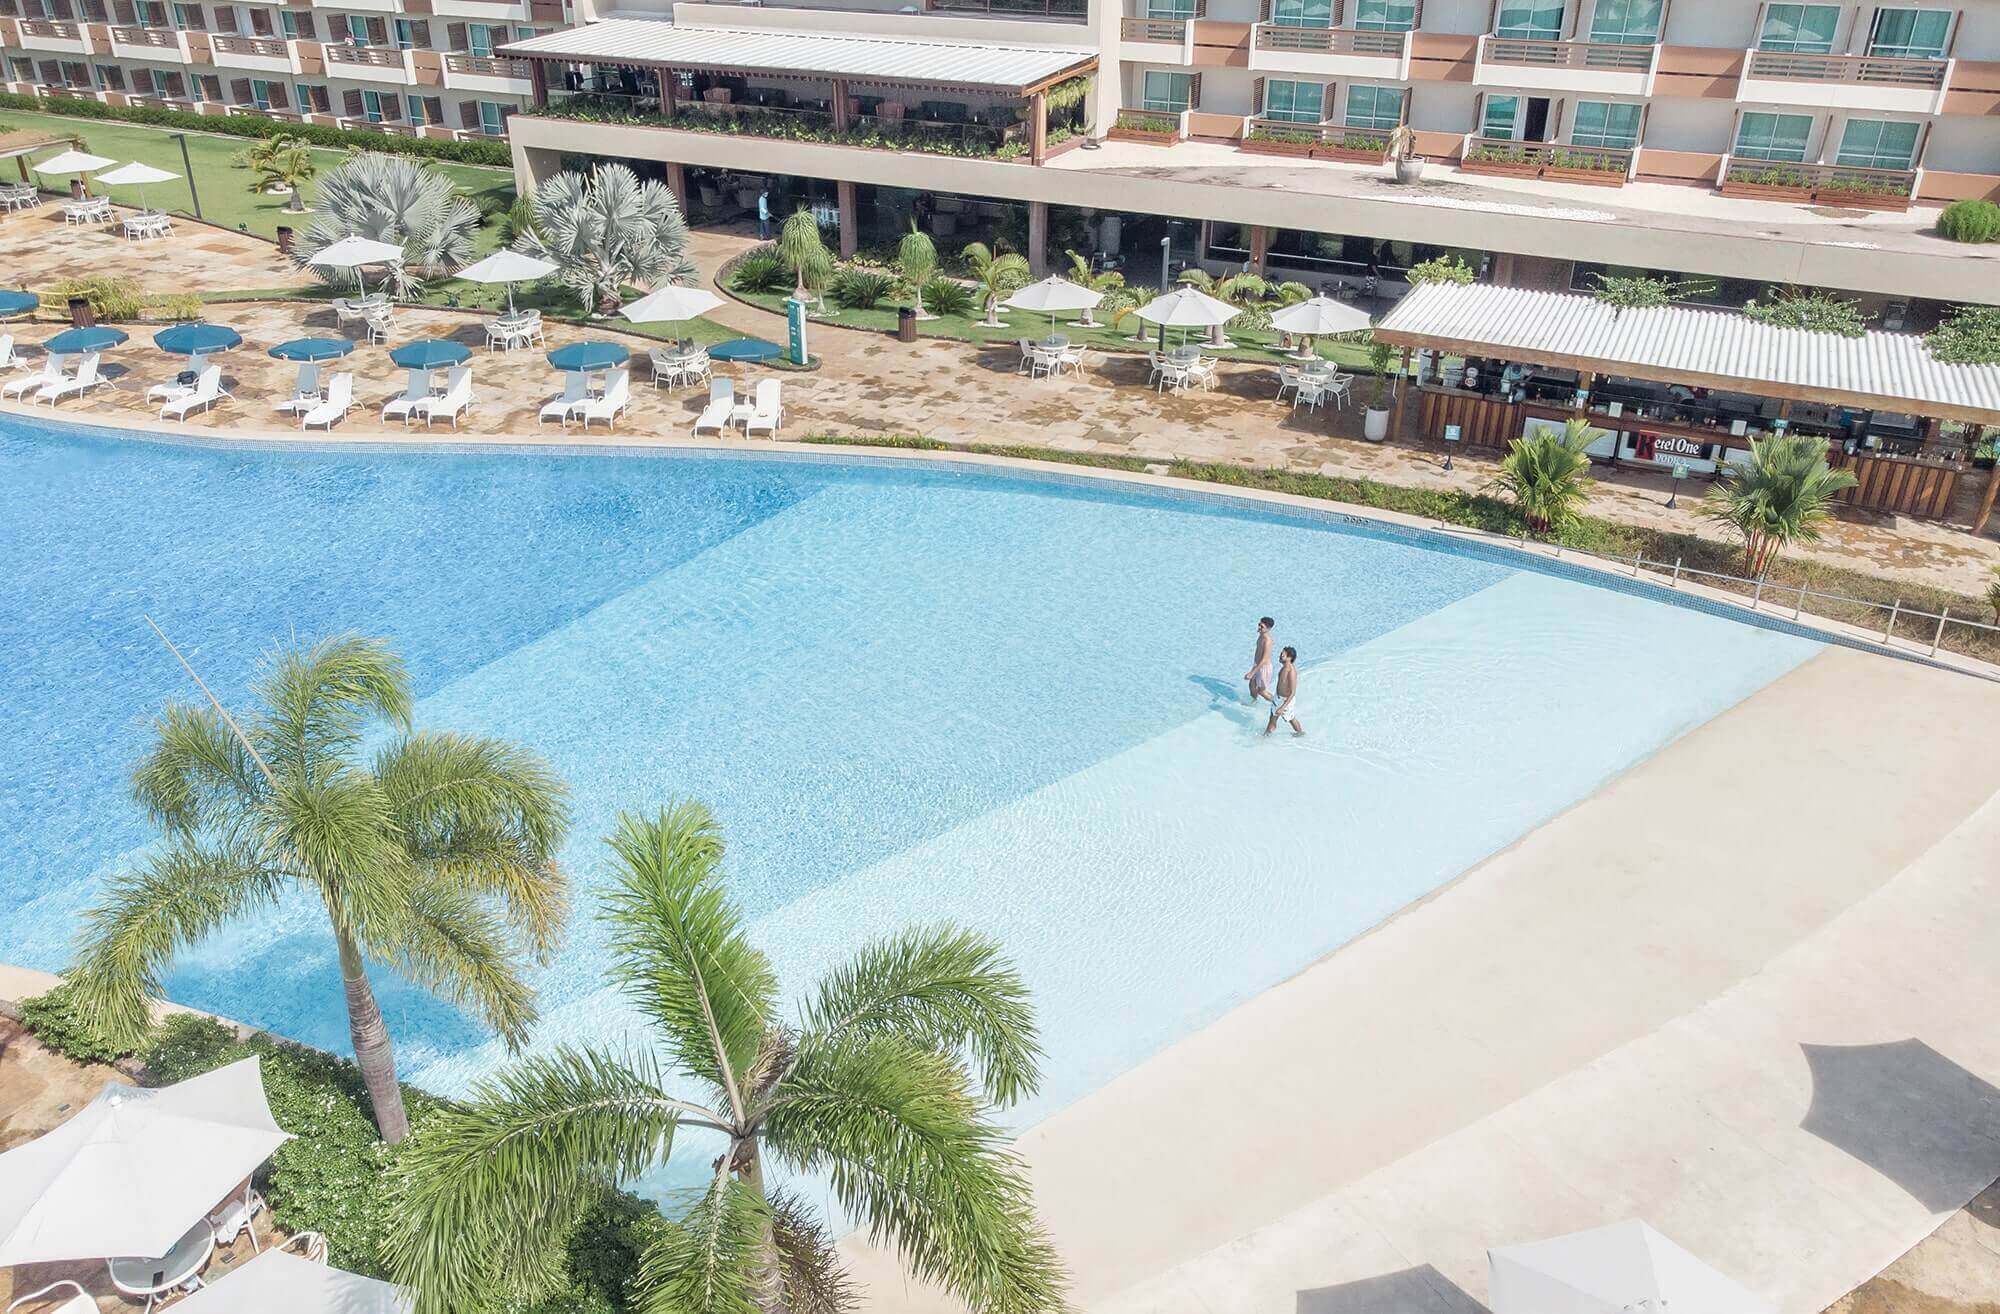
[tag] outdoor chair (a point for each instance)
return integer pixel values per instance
(416, 388)
(1288, 380)
(207, 389)
(576, 391)
(1310, 394)
(72, 385)
(715, 415)
(234, 1219)
(380, 323)
(455, 401)
(49, 372)
(306, 395)
(1027, 365)
(617, 396)
(770, 409)
(339, 398)
(1071, 359)
(1341, 388)
(310, 1244)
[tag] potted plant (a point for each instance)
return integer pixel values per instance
(1408, 165)
(1375, 424)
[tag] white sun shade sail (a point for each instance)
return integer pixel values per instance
(1053, 293)
(1626, 1268)
(135, 1169)
(353, 252)
(135, 175)
(671, 304)
(73, 162)
(506, 267)
(1319, 317)
(280, 1280)
(1187, 307)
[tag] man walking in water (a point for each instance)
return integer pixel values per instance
(1285, 706)
(1259, 674)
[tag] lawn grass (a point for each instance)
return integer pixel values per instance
(223, 184)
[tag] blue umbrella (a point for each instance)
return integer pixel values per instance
(17, 303)
(197, 339)
(430, 354)
(313, 349)
(70, 341)
(745, 349)
(588, 356)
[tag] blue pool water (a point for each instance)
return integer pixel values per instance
(908, 694)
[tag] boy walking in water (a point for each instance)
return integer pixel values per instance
(1285, 707)
(1259, 674)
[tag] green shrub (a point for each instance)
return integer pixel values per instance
(1440, 269)
(53, 1019)
(1813, 311)
(1971, 336)
(760, 271)
(862, 289)
(1971, 221)
(947, 296)
(109, 297)
(185, 1045)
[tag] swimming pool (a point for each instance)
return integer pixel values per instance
(908, 693)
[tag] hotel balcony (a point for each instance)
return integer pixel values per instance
(1589, 67)
(1553, 161)
(484, 11)
(1058, 11)
(55, 38)
(1821, 184)
(1318, 141)
(268, 55)
(489, 74)
(1854, 82)
(1156, 40)
(381, 64)
(1330, 51)
(155, 45)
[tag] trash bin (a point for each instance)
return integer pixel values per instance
(906, 324)
(80, 313)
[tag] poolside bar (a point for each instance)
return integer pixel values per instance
(1681, 387)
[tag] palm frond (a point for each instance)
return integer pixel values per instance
(197, 774)
(938, 988)
(493, 1184)
(317, 699)
(145, 917)
(335, 830)
(707, 1262)
(454, 946)
(810, 1277)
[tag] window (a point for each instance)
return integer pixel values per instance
(480, 37)
(313, 99)
(296, 24)
(1385, 15)
(377, 107)
(492, 118)
(1530, 20)
(1910, 33)
(406, 35)
(1807, 29)
(1293, 102)
(149, 13)
(1501, 119)
(111, 77)
(1163, 91)
(1605, 123)
(1773, 137)
(1878, 144)
(1374, 107)
(1302, 13)
(260, 94)
(416, 104)
(1626, 22)
(188, 18)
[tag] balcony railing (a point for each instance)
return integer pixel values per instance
(155, 38)
(262, 47)
(1326, 140)
(43, 27)
(1071, 11)
(373, 56)
(1597, 56)
(1874, 70)
(1330, 40)
(966, 139)
(486, 66)
(1563, 161)
(1166, 31)
(1833, 184)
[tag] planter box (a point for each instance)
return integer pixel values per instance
(1587, 177)
(1504, 168)
(1766, 192)
(1140, 134)
(1300, 149)
(1349, 154)
(1064, 147)
(1861, 200)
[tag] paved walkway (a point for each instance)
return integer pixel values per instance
(1704, 997)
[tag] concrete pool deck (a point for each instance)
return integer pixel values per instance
(1743, 992)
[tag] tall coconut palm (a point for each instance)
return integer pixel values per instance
(1546, 474)
(433, 857)
(609, 231)
(1780, 496)
(391, 198)
(882, 1085)
(281, 163)
(994, 277)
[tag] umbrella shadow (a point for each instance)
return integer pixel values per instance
(1420, 1290)
(1913, 1115)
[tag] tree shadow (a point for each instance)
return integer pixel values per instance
(1910, 1113)
(1421, 1290)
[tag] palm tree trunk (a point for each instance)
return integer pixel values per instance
(747, 1159)
(370, 1035)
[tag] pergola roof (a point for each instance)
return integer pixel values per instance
(1700, 348)
(1014, 69)
(23, 143)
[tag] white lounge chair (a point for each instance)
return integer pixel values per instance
(715, 415)
(339, 398)
(207, 390)
(770, 409)
(80, 1303)
(617, 396)
(7, 356)
(50, 371)
(456, 400)
(306, 395)
(72, 385)
(576, 391)
(416, 389)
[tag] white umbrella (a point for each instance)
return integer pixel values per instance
(73, 162)
(1187, 307)
(1317, 318)
(136, 175)
(354, 252)
(671, 304)
(1619, 1269)
(509, 267)
(1052, 294)
(135, 1169)
(279, 1279)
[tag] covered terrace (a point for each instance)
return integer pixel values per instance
(1685, 389)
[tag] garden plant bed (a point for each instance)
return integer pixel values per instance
(1587, 177)
(1862, 200)
(1501, 167)
(1161, 138)
(1300, 148)
(1350, 154)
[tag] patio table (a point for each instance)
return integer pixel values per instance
(138, 1275)
(1184, 355)
(1056, 341)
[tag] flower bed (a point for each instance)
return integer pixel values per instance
(1147, 126)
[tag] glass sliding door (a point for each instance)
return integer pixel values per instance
(1878, 144)
(1910, 33)
(1626, 22)
(1302, 13)
(1385, 15)
(1783, 137)
(1605, 123)
(1293, 102)
(1801, 29)
(1500, 119)
(1529, 20)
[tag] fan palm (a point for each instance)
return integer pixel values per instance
(1778, 497)
(883, 1085)
(609, 231)
(1545, 474)
(391, 198)
(995, 277)
(434, 857)
(277, 163)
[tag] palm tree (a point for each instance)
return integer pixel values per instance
(995, 277)
(1245, 291)
(1778, 497)
(609, 231)
(804, 252)
(883, 1085)
(916, 261)
(1126, 302)
(1545, 474)
(517, 221)
(391, 198)
(1108, 282)
(434, 857)
(280, 162)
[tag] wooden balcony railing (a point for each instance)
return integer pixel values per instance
(1874, 70)
(1326, 141)
(1594, 55)
(1830, 184)
(487, 66)
(1165, 31)
(1330, 40)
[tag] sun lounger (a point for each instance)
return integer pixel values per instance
(306, 395)
(206, 391)
(617, 395)
(456, 401)
(416, 388)
(72, 385)
(576, 391)
(339, 397)
(21, 385)
(770, 409)
(7, 356)
(715, 415)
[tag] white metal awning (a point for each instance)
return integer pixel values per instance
(1702, 348)
(860, 58)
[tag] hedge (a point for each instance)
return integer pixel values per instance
(248, 125)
